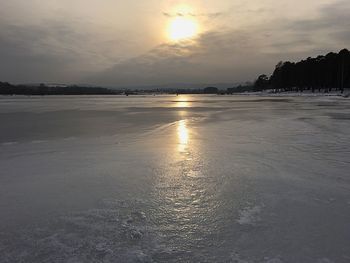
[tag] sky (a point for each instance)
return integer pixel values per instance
(148, 42)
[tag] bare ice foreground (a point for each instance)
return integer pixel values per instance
(175, 179)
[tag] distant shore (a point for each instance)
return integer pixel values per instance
(7, 89)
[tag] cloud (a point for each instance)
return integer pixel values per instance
(190, 14)
(328, 31)
(331, 17)
(55, 50)
(28, 52)
(238, 44)
(212, 57)
(235, 55)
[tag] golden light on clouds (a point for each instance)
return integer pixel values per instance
(182, 28)
(183, 23)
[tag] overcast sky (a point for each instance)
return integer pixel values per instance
(119, 43)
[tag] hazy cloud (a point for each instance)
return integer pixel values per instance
(244, 41)
(189, 14)
(236, 55)
(55, 50)
(38, 51)
(212, 57)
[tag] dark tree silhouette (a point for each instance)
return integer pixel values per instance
(211, 90)
(261, 83)
(327, 73)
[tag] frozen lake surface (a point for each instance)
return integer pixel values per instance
(175, 179)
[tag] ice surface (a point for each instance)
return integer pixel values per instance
(175, 179)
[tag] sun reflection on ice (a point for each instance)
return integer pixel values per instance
(183, 102)
(183, 136)
(182, 126)
(181, 185)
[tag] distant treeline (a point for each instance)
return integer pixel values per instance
(9, 89)
(323, 73)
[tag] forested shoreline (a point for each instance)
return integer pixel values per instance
(321, 74)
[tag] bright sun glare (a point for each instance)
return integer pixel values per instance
(182, 28)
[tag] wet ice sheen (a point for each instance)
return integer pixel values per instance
(174, 179)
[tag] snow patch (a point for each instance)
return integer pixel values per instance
(249, 215)
(274, 260)
(236, 258)
(325, 260)
(8, 143)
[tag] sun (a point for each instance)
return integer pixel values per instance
(182, 28)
